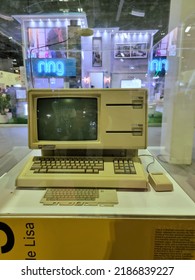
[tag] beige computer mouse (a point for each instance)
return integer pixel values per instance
(160, 182)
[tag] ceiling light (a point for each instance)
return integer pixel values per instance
(64, 10)
(188, 28)
(137, 13)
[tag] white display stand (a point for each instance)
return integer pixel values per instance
(138, 227)
(148, 203)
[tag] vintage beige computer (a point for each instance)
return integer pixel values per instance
(87, 137)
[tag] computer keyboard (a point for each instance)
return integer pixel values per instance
(89, 172)
(79, 165)
(67, 165)
(124, 166)
(80, 197)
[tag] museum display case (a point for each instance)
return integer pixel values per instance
(91, 96)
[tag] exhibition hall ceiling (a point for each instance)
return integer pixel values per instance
(124, 14)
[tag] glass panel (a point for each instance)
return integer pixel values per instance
(101, 45)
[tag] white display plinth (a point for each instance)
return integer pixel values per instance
(147, 203)
(143, 225)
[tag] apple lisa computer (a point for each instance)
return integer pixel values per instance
(88, 138)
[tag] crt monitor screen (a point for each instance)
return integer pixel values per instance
(67, 118)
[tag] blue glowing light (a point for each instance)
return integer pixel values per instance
(48, 67)
(158, 65)
(54, 67)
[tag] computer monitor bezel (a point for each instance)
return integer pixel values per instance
(106, 99)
